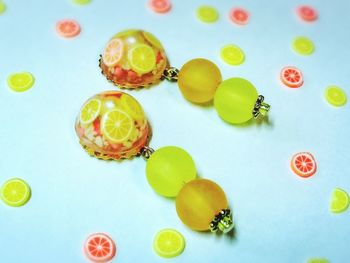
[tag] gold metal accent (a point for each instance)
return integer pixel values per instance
(260, 107)
(171, 74)
(146, 152)
(222, 222)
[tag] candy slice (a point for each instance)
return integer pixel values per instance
(239, 16)
(90, 111)
(160, 6)
(113, 52)
(81, 2)
(303, 46)
(292, 77)
(169, 243)
(142, 58)
(67, 28)
(2, 7)
(335, 96)
(132, 107)
(232, 54)
(116, 126)
(99, 248)
(318, 260)
(307, 13)
(207, 14)
(340, 201)
(15, 192)
(152, 40)
(21, 81)
(303, 164)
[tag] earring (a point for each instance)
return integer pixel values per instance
(136, 58)
(112, 125)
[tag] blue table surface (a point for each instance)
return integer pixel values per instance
(279, 217)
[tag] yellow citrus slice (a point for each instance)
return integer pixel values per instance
(132, 107)
(116, 126)
(207, 14)
(2, 7)
(126, 33)
(20, 81)
(317, 260)
(15, 192)
(169, 243)
(142, 58)
(335, 96)
(152, 40)
(232, 54)
(90, 111)
(113, 52)
(340, 201)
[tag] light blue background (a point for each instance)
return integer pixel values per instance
(279, 217)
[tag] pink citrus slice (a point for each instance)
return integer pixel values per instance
(303, 164)
(99, 248)
(292, 77)
(113, 52)
(67, 28)
(239, 16)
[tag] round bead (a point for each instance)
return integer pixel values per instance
(198, 202)
(133, 58)
(168, 169)
(198, 80)
(112, 125)
(235, 99)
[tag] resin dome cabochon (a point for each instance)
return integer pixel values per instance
(112, 125)
(133, 59)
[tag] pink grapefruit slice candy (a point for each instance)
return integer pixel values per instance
(67, 28)
(303, 164)
(239, 16)
(292, 77)
(99, 247)
(113, 52)
(307, 13)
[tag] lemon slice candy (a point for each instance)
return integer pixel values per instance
(340, 201)
(169, 243)
(232, 54)
(20, 81)
(335, 96)
(142, 58)
(132, 107)
(90, 111)
(116, 126)
(15, 192)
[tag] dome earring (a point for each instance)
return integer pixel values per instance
(136, 58)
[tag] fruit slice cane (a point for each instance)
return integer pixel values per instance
(340, 201)
(142, 58)
(239, 16)
(15, 192)
(113, 52)
(291, 77)
(169, 243)
(232, 54)
(21, 81)
(160, 6)
(99, 248)
(307, 13)
(90, 111)
(116, 126)
(67, 28)
(303, 164)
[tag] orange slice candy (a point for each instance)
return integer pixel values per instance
(113, 52)
(67, 28)
(292, 77)
(99, 248)
(303, 164)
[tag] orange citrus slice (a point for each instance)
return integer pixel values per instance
(303, 164)
(116, 126)
(307, 13)
(67, 28)
(160, 6)
(142, 58)
(113, 52)
(292, 77)
(99, 248)
(90, 111)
